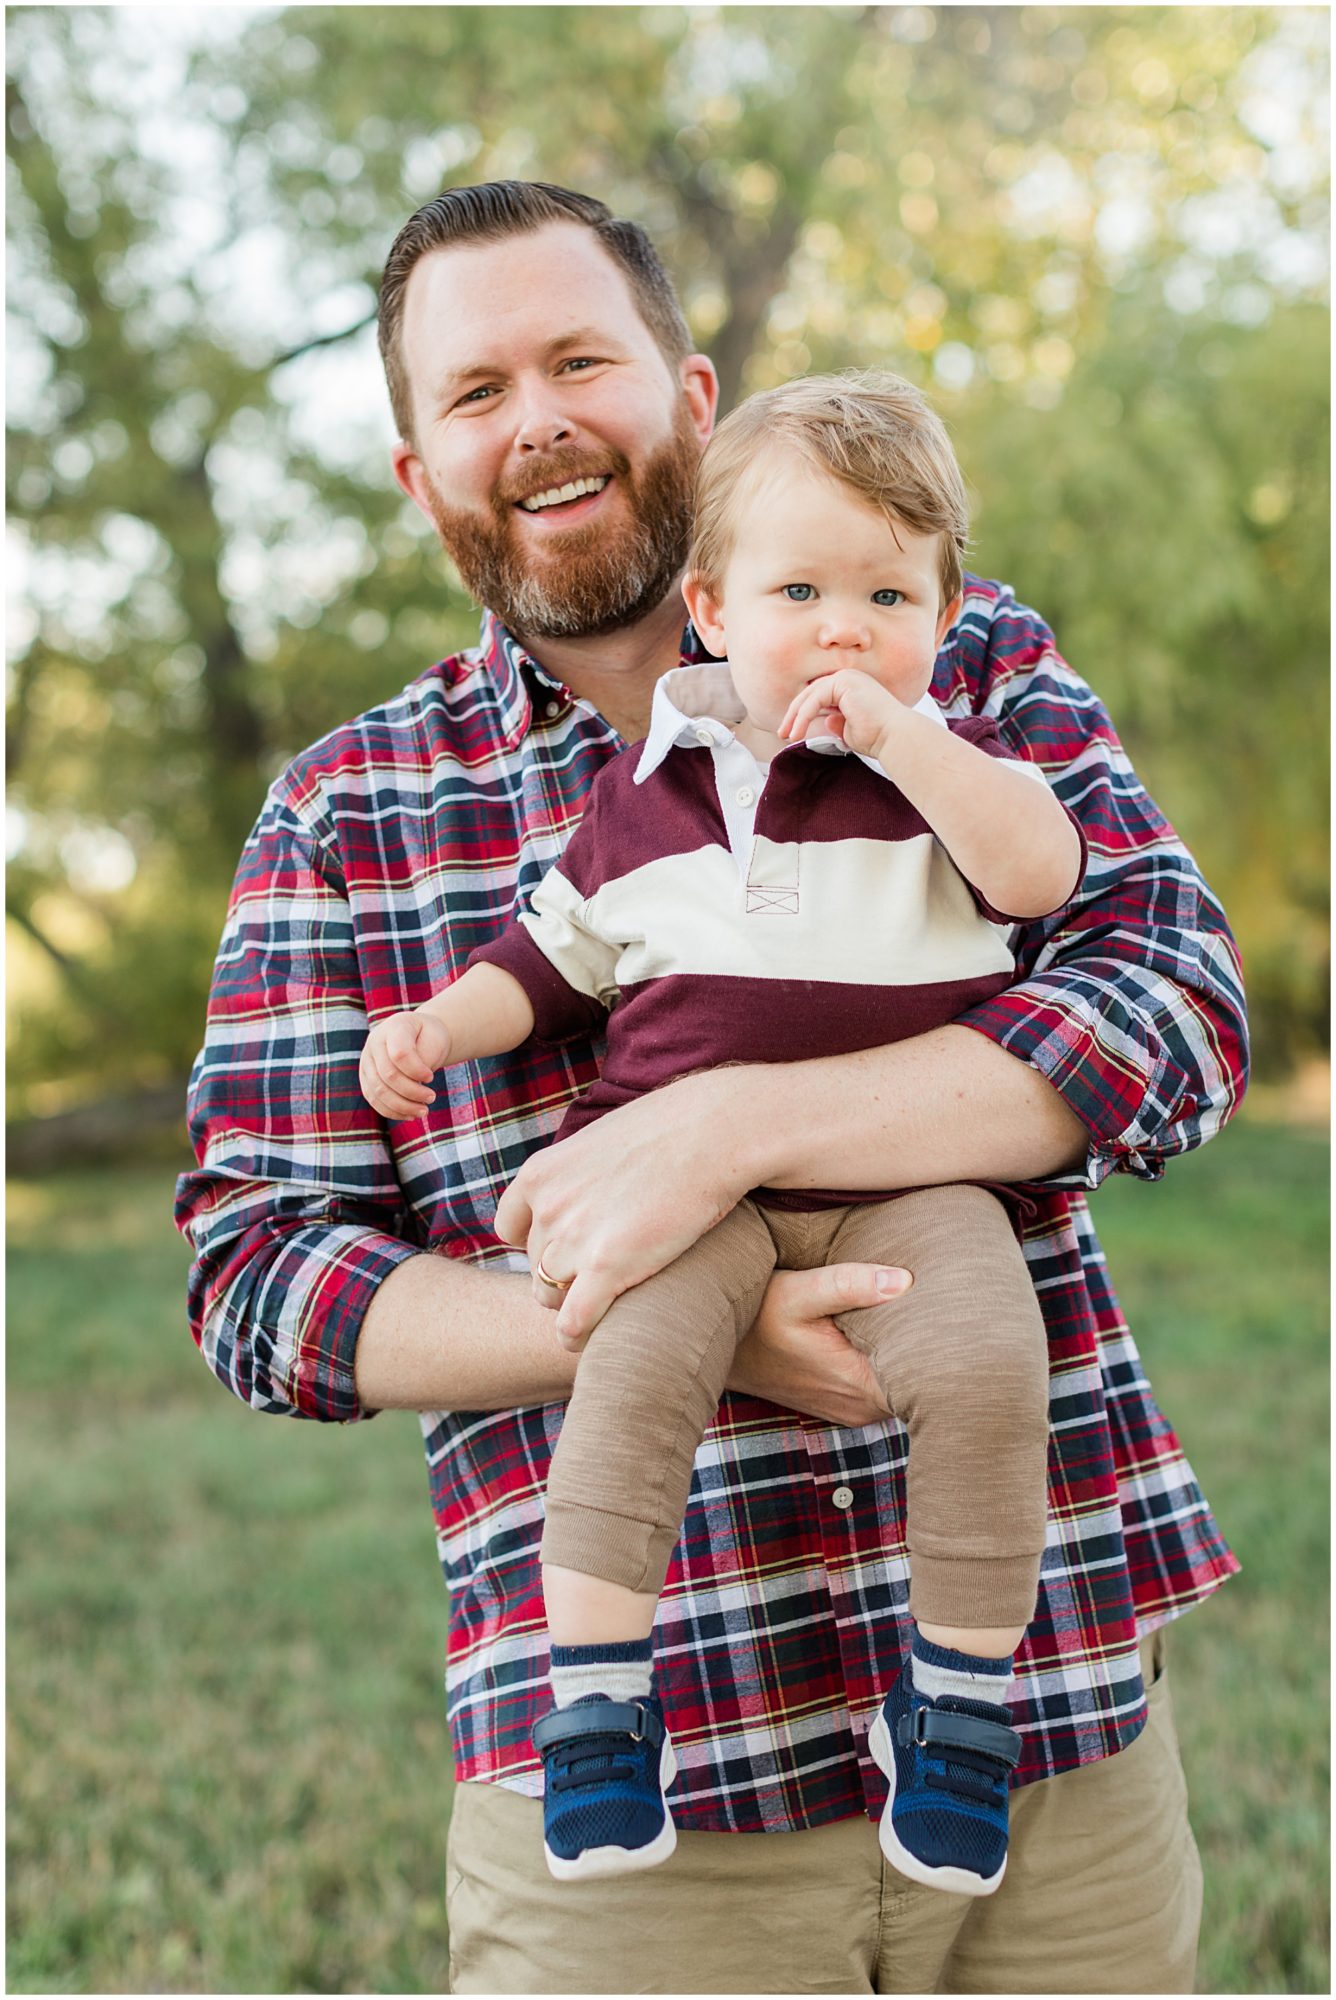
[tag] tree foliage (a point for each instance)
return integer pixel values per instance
(1096, 235)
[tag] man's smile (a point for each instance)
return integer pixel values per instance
(561, 497)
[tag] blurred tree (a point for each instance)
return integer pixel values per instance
(1040, 213)
(1182, 487)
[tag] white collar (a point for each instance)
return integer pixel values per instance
(697, 707)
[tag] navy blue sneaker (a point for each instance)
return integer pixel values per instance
(607, 1765)
(948, 1762)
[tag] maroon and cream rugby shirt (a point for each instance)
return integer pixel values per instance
(728, 911)
(389, 852)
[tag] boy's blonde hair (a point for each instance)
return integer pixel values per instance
(872, 431)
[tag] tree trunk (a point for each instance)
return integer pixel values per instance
(757, 273)
(113, 1128)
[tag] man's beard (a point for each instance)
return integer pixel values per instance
(596, 578)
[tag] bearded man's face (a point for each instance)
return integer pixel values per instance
(555, 446)
(595, 575)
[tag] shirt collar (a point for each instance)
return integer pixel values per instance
(523, 684)
(697, 707)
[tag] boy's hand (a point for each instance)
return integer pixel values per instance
(855, 708)
(401, 1056)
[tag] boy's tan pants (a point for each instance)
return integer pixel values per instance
(1102, 1895)
(961, 1358)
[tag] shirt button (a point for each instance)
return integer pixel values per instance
(704, 736)
(746, 795)
(553, 708)
(843, 1498)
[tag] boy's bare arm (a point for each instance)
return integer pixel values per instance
(484, 1012)
(1006, 832)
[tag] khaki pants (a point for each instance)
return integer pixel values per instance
(961, 1358)
(1102, 1895)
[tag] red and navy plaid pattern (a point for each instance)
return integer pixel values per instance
(382, 858)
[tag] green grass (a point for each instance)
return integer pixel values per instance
(1223, 1272)
(228, 1763)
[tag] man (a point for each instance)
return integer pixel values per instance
(550, 411)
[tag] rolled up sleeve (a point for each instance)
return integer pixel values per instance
(294, 1212)
(1129, 1001)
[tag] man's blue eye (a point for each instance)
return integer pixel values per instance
(798, 592)
(891, 597)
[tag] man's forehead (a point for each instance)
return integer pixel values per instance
(549, 284)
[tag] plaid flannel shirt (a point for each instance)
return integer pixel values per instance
(383, 856)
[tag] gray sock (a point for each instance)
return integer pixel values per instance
(938, 1671)
(622, 1672)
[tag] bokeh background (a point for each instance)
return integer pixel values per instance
(1098, 237)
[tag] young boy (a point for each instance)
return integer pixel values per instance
(802, 857)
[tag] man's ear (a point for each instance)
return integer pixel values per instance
(950, 613)
(411, 475)
(700, 385)
(706, 614)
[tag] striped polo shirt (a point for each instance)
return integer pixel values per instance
(709, 909)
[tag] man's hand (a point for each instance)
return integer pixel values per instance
(613, 1204)
(796, 1356)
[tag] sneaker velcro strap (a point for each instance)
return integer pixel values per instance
(598, 1718)
(938, 1729)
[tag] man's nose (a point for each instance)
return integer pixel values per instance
(541, 422)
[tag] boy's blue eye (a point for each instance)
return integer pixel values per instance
(798, 593)
(891, 597)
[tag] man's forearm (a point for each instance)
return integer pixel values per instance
(946, 1106)
(441, 1335)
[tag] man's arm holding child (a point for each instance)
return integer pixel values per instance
(440, 1335)
(1122, 1042)
(940, 1107)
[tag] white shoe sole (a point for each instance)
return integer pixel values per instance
(624, 1860)
(956, 1881)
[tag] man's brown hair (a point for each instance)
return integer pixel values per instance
(872, 431)
(492, 211)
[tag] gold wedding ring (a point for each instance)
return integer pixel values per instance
(544, 1277)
